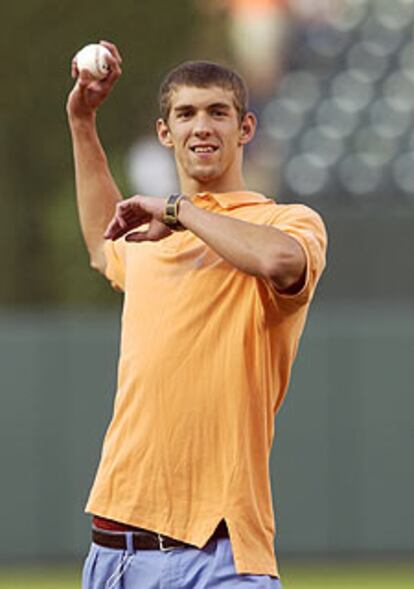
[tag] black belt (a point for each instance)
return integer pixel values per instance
(146, 540)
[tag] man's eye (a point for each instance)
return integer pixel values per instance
(220, 114)
(185, 114)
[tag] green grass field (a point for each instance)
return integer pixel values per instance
(352, 576)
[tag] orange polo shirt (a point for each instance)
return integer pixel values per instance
(205, 360)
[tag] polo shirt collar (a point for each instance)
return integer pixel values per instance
(230, 200)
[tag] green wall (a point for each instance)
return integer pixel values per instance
(342, 468)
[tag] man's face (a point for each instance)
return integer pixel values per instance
(204, 129)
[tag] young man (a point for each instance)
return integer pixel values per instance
(217, 284)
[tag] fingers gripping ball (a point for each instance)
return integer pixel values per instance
(93, 58)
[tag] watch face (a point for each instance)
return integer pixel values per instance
(170, 214)
(170, 217)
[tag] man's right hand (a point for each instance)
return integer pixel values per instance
(88, 94)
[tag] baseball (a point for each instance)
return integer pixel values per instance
(93, 58)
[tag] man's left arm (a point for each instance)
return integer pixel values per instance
(258, 250)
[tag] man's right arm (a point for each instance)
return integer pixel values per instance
(96, 190)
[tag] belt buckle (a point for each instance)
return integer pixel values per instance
(164, 548)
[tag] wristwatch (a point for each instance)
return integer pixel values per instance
(172, 207)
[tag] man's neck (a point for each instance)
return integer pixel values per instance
(192, 186)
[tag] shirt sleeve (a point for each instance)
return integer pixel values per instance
(115, 263)
(306, 226)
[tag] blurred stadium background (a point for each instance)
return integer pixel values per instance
(337, 133)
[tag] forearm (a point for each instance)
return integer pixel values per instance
(259, 250)
(97, 193)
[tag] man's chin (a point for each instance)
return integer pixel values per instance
(205, 174)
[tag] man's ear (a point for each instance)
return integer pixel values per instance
(164, 135)
(247, 128)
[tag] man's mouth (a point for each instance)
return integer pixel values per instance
(204, 148)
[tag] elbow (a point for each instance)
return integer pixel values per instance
(286, 268)
(97, 261)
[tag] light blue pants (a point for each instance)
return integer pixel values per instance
(181, 568)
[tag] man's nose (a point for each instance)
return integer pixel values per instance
(202, 126)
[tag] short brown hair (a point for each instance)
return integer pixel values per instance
(203, 74)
